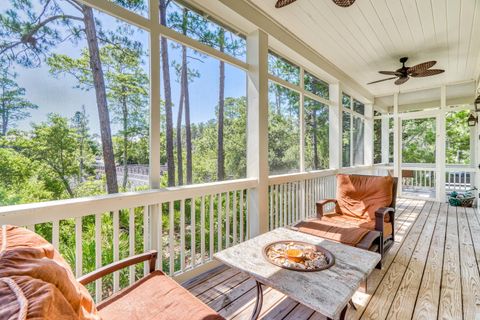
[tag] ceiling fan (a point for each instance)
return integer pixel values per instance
(404, 73)
(341, 3)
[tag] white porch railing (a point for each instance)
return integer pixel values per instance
(187, 225)
(459, 178)
(420, 180)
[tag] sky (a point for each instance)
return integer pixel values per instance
(59, 95)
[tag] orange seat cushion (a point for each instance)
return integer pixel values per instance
(328, 229)
(367, 224)
(155, 297)
(361, 196)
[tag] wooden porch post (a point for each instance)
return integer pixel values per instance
(440, 157)
(368, 135)
(154, 133)
(397, 143)
(476, 151)
(385, 139)
(257, 130)
(335, 127)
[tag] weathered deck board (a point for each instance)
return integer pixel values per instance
(428, 296)
(451, 290)
(378, 306)
(470, 274)
(431, 271)
(404, 302)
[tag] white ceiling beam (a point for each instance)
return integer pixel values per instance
(267, 24)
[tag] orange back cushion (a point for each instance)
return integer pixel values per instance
(361, 196)
(39, 275)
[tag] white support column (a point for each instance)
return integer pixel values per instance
(257, 130)
(385, 140)
(476, 151)
(154, 134)
(474, 157)
(154, 139)
(301, 115)
(397, 141)
(368, 135)
(335, 126)
(441, 141)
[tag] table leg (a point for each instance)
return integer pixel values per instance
(258, 302)
(342, 314)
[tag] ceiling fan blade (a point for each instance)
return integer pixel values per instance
(344, 3)
(283, 3)
(419, 68)
(427, 73)
(401, 80)
(391, 73)
(382, 80)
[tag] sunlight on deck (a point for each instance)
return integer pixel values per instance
(431, 271)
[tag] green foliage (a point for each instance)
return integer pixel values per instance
(283, 130)
(458, 138)
(418, 136)
(316, 86)
(283, 68)
(377, 141)
(346, 139)
(54, 145)
(13, 105)
(316, 135)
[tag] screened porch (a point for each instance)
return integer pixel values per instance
(272, 116)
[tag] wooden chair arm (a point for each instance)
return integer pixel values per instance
(321, 204)
(380, 217)
(118, 265)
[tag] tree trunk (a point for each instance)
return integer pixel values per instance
(83, 133)
(179, 131)
(186, 94)
(315, 138)
(80, 168)
(125, 141)
(168, 97)
(278, 100)
(67, 187)
(4, 114)
(101, 97)
(4, 120)
(221, 110)
(188, 129)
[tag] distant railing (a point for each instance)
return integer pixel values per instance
(459, 178)
(420, 180)
(187, 225)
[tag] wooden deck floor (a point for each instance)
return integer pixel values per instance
(432, 271)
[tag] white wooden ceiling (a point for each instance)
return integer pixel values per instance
(372, 35)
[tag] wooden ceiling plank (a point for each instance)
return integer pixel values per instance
(473, 56)
(424, 9)
(440, 21)
(383, 14)
(304, 26)
(341, 32)
(453, 28)
(465, 37)
(413, 17)
(352, 30)
(375, 25)
(398, 14)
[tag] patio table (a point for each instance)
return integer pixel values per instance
(327, 292)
